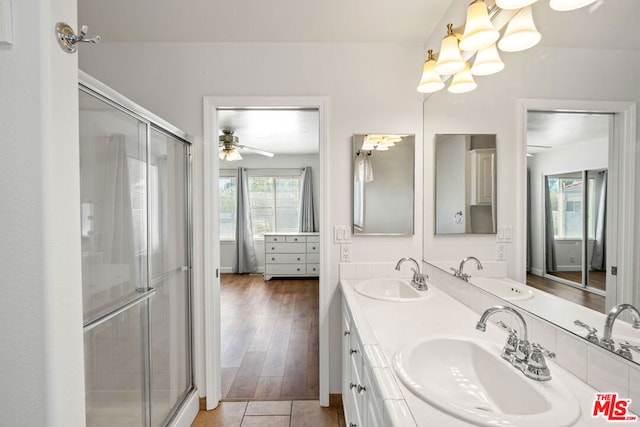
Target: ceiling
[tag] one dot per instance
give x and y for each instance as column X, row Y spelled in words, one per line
column 277, row 21
column 552, row 129
column 280, row 131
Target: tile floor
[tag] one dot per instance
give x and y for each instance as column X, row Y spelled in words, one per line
column 286, row 413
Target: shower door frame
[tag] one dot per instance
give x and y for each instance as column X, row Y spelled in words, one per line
column 150, row 121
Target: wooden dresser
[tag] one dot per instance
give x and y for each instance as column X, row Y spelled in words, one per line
column 291, row 255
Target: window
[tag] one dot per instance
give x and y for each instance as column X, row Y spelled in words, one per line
column 274, row 200
column 566, row 193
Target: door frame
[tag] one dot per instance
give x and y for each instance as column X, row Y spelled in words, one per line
column 211, row 293
column 622, row 158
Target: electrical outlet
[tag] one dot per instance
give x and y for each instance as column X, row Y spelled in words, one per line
column 500, row 252
column 345, row 252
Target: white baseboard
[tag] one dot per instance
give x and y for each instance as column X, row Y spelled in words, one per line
column 537, row 272
column 188, row 412
column 230, row 270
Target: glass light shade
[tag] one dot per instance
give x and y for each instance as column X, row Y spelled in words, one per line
column 565, row 5
column 368, row 145
column 521, row 32
column 463, row 82
column 449, row 61
column 382, row 147
column 430, row 81
column 487, row 62
column 514, row 4
column 229, row 155
column 478, row 31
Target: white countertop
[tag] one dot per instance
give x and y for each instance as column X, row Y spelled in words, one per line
column 389, row 326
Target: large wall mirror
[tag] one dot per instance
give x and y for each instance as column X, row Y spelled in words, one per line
column 466, row 184
column 383, row 184
column 568, row 171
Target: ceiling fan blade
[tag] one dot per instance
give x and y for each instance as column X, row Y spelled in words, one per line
column 255, row 150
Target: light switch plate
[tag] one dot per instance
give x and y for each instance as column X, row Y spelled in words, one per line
column 6, row 23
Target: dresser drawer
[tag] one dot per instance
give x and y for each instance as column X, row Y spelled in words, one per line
column 313, row 258
column 313, row 269
column 285, row 269
column 313, row 247
column 284, row 248
column 277, row 258
column 313, row 239
column 274, row 239
column 295, row 239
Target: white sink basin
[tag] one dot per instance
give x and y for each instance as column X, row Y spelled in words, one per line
column 397, row 290
column 504, row 288
column 468, row 379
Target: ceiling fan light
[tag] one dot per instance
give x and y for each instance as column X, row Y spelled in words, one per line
column 463, row 81
column 487, row 62
column 430, row 81
column 514, row 4
column 449, row 60
column 566, row 5
column 479, row 32
column 521, row 32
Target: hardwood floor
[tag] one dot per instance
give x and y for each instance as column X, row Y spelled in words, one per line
column 597, row 279
column 269, row 338
column 579, row 296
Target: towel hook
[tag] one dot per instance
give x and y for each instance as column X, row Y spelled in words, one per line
column 68, row 40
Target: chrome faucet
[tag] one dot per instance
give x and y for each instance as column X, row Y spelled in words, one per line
column 418, row 280
column 464, row 276
column 606, row 341
column 528, row 358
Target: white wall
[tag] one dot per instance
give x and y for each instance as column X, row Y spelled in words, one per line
column 450, row 197
column 282, row 161
column 542, row 72
column 41, row 362
column 370, row 87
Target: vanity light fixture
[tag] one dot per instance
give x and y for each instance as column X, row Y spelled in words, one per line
column 463, row 81
column 449, row 61
column 566, row 5
column 521, row 33
column 478, row 31
column 487, row 62
column 430, row 81
column 380, row 142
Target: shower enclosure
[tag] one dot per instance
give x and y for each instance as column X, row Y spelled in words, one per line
column 136, row 261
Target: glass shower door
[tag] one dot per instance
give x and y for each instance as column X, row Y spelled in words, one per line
column 135, row 207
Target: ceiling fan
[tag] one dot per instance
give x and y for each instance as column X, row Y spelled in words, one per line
column 229, row 148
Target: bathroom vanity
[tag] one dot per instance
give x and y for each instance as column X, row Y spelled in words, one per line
column 377, row 331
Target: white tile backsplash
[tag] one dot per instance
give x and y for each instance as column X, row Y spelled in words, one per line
column 571, row 354
column 605, row 373
column 363, row 270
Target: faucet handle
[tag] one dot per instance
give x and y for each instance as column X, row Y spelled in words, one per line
column 625, row 346
column 509, row 350
column 592, row 332
column 537, row 347
column 536, row 367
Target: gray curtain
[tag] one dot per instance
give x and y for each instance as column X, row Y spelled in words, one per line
column 528, row 221
column 550, row 241
column 245, row 260
column 307, row 215
column 598, row 257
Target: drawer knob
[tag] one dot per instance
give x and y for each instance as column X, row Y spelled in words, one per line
column 298, row 269
column 273, row 259
column 295, row 240
column 361, row 388
column 347, row 333
column 298, row 259
column 314, row 248
column 272, row 248
column 352, row 385
column 352, row 351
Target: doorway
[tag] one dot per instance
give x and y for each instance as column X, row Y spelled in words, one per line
column 219, row 381
column 619, row 118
